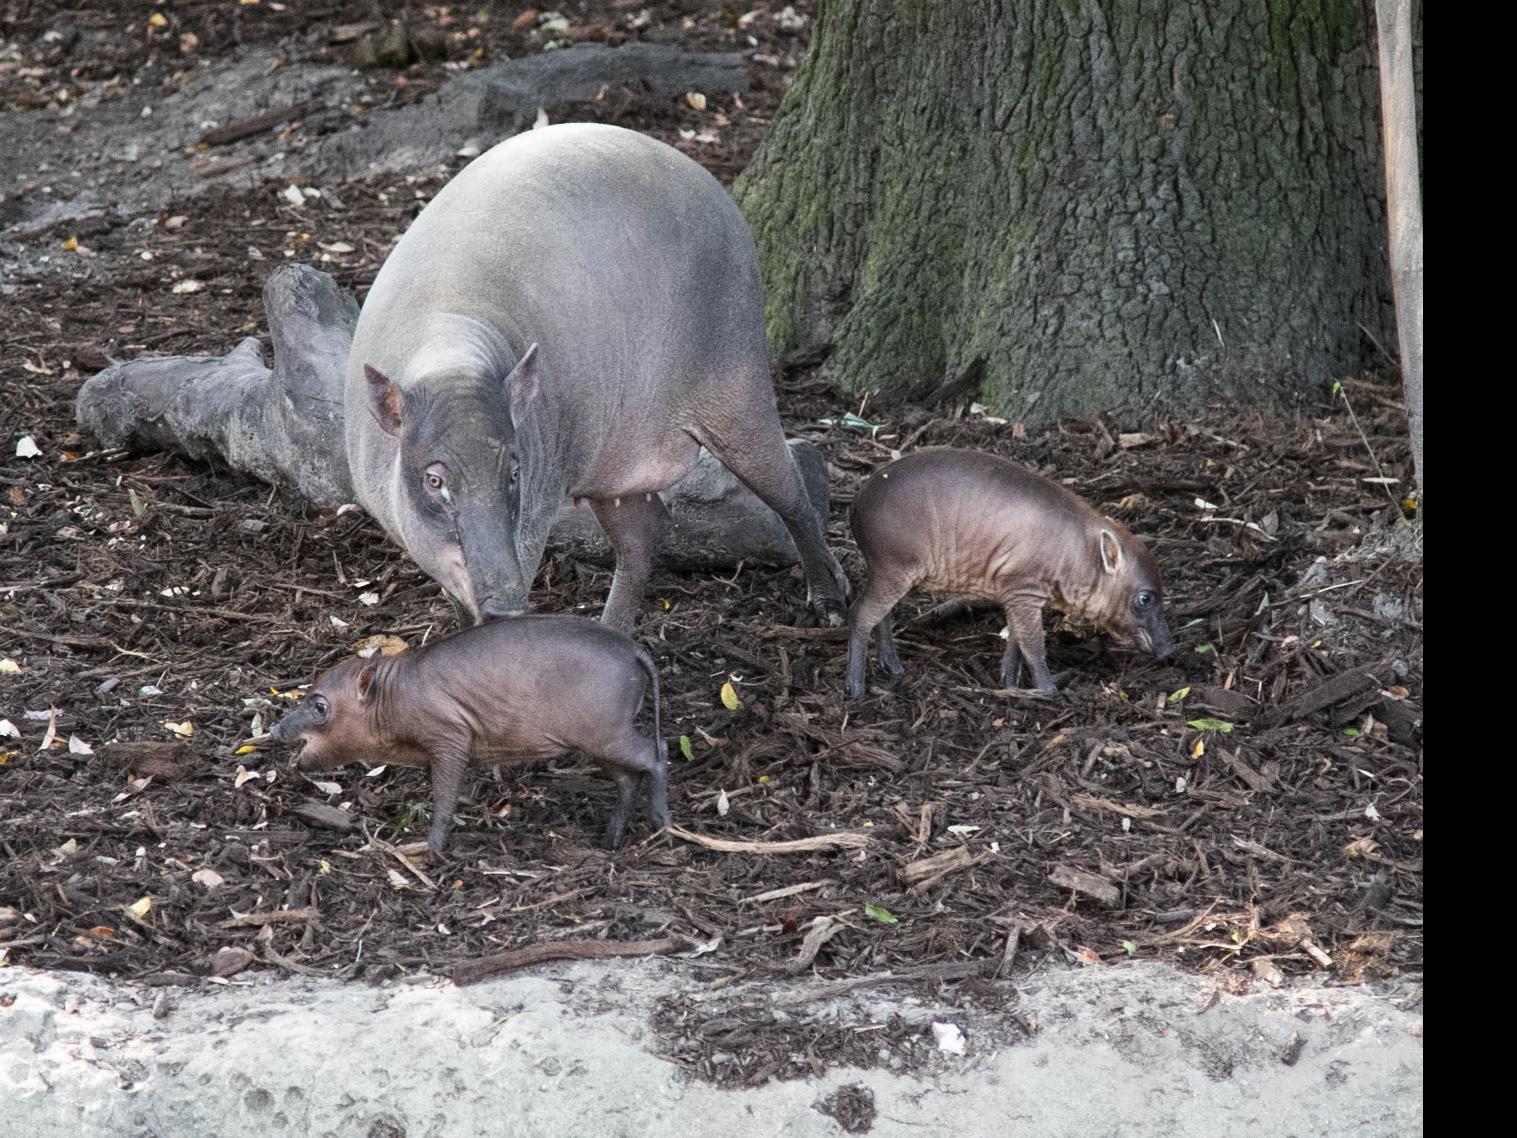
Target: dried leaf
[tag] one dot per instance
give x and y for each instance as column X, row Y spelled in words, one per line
column 187, row 285
column 729, row 697
column 9, row 667
column 398, row 879
column 183, row 730
column 208, row 877
column 77, row 746
column 722, row 805
column 243, row 775
column 52, row 730
column 1361, row 847
column 140, row 907
column 26, row 447
column 696, row 100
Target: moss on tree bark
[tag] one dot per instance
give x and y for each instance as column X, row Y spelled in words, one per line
column 1079, row 207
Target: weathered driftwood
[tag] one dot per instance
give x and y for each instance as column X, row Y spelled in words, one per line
column 285, row 426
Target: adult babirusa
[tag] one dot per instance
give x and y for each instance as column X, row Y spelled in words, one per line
column 574, row 315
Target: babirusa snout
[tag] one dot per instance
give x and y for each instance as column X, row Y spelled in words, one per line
column 497, row 585
column 1160, row 644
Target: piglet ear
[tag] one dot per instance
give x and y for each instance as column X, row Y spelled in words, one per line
column 1111, row 551
column 365, row 681
column 521, row 384
column 385, row 400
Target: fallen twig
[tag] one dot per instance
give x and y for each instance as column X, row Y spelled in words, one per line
column 847, row 839
column 485, row 967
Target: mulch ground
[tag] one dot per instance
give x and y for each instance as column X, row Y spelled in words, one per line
column 1253, row 805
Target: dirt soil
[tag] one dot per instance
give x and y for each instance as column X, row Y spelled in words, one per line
column 1251, row 807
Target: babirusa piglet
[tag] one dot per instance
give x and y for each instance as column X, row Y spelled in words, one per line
column 512, row 690
column 979, row 526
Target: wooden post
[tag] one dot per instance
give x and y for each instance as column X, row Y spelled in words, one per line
column 1398, row 112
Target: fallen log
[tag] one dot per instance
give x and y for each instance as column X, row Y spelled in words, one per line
column 284, row 425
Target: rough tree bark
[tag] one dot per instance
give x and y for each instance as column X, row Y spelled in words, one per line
column 1072, row 208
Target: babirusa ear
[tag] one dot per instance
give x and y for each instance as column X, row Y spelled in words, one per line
column 385, row 400
column 521, row 384
column 365, row 681
column 1111, row 551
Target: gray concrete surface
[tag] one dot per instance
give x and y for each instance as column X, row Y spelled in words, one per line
column 570, row 1049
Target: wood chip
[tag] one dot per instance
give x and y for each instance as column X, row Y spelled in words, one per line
column 163, row 761
column 918, row 875
column 1090, row 884
column 1126, row 809
column 1345, row 685
column 1009, row 949
column 322, row 816
column 1245, row 773
column 823, row 929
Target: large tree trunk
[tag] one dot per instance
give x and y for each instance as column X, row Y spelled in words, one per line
column 1074, row 208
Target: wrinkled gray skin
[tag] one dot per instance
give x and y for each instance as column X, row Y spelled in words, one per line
column 974, row 525
column 633, row 274
column 513, row 690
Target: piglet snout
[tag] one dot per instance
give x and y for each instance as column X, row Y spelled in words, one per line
column 1160, row 644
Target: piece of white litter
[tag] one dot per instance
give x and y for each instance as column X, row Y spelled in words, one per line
column 77, row 746
column 26, row 447
column 948, row 1037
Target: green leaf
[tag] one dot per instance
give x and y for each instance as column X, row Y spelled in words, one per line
column 1130, row 948
column 881, row 914
column 1263, row 604
column 1351, row 732
column 1204, row 649
column 1177, row 696
column 685, row 748
column 1337, row 387
column 1220, row 725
